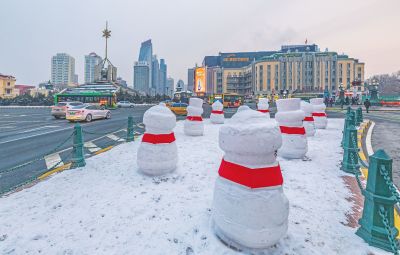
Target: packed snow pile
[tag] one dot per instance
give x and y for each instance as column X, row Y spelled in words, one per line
column 157, row 154
column 320, row 118
column 109, row 207
column 308, row 121
column 194, row 122
column 290, row 119
column 217, row 113
column 250, row 210
column 263, row 106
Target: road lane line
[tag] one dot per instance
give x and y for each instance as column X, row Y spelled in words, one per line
column 91, row 146
column 113, row 137
column 52, row 160
column 30, row 136
column 368, row 144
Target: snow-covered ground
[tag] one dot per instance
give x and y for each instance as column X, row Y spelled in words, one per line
column 108, row 207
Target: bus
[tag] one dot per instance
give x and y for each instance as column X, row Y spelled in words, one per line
column 104, row 99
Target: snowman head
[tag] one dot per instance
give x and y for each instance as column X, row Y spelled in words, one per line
column 287, row 105
column 306, row 107
column 262, row 104
column 248, row 132
column 217, row 106
column 195, row 107
column 159, row 120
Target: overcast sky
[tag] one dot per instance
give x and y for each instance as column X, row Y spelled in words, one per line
column 184, row 31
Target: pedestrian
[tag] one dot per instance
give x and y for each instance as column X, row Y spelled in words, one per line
column 367, row 104
column 331, row 101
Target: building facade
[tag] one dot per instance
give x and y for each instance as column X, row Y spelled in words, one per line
column 190, row 81
column 162, row 89
column 155, row 76
column 63, row 70
column 91, row 61
column 146, row 55
column 7, row 86
column 170, row 87
column 141, row 77
column 296, row 68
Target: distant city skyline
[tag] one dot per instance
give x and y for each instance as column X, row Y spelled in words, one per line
column 365, row 29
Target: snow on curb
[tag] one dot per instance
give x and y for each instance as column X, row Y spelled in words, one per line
column 109, row 208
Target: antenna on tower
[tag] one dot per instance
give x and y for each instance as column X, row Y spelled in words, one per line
column 106, row 34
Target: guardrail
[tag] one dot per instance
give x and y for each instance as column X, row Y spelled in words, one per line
column 76, row 158
column 377, row 226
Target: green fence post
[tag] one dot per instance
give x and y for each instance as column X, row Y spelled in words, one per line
column 350, row 157
column 360, row 115
column 352, row 115
column 378, row 196
column 130, row 132
column 78, row 158
column 346, row 124
column 348, row 110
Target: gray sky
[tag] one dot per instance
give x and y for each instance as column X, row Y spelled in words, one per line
column 184, row 31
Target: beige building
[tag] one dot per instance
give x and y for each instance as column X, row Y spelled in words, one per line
column 298, row 68
column 7, row 86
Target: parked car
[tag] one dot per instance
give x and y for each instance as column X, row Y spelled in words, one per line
column 179, row 108
column 60, row 110
column 125, row 104
column 87, row 113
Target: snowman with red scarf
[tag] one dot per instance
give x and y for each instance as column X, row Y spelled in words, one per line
column 263, row 106
column 308, row 121
column 250, row 210
column 290, row 120
column 320, row 118
column 194, row 125
column 158, row 153
column 217, row 113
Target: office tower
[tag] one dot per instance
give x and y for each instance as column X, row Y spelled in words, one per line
column 91, row 61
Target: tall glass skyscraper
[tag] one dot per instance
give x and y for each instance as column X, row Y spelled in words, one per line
column 146, row 55
column 91, row 61
column 163, row 78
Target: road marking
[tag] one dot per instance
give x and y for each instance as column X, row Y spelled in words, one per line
column 113, row 137
column 52, row 160
column 30, row 136
column 91, row 147
column 104, row 150
column 7, row 127
column 368, row 144
column 141, row 125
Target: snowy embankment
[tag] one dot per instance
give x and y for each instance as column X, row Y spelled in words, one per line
column 108, row 207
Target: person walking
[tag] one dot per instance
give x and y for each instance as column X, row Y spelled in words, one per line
column 367, row 104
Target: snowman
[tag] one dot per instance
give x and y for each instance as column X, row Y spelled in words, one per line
column 308, row 121
column 250, row 210
column 320, row 119
column 193, row 125
column 290, row 120
column 217, row 113
column 157, row 153
column 262, row 106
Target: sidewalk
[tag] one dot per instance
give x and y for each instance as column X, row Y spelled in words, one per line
column 108, row 207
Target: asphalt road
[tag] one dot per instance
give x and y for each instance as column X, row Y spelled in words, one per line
column 26, row 135
column 29, row 134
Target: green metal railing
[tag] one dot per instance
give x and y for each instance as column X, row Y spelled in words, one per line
column 380, row 194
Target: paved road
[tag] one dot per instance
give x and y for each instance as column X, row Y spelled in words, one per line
column 28, row 134
column 384, row 136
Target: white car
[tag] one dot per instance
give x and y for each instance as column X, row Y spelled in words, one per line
column 125, row 104
column 59, row 110
column 87, row 113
